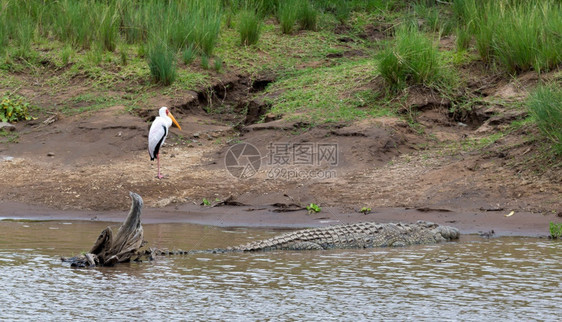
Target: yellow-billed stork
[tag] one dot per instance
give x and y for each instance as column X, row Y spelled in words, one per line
column 158, row 133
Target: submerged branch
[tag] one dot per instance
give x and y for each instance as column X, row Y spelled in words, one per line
column 123, row 247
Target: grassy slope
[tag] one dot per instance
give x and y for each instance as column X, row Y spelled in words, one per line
column 309, row 87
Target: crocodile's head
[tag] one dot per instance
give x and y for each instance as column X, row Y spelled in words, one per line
column 447, row 232
column 441, row 232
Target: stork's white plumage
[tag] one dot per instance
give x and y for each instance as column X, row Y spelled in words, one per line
column 158, row 133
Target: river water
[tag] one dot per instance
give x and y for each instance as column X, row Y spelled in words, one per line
column 505, row 278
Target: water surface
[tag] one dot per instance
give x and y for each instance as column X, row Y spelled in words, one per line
column 505, row 278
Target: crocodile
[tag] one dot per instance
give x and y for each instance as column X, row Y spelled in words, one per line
column 355, row 235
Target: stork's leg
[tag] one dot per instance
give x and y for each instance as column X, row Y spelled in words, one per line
column 159, row 176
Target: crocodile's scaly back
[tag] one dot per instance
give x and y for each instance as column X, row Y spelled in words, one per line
column 359, row 235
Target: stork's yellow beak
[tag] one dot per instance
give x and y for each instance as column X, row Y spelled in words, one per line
column 174, row 120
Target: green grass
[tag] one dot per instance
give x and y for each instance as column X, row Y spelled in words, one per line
column 331, row 94
column 72, row 21
column 545, row 105
column 277, row 52
column 435, row 18
column 218, row 64
column 410, row 59
column 88, row 102
column 66, row 54
column 181, row 23
column 161, row 60
column 205, row 64
column 517, row 35
column 188, row 55
column 342, row 10
column 9, row 137
column 463, row 38
column 249, row 27
column 308, row 16
column 99, row 26
column 555, row 230
column 108, row 30
column 288, row 14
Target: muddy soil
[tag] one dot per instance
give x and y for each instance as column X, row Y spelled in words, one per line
column 82, row 166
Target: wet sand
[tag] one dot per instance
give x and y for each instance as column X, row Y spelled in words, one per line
column 519, row 224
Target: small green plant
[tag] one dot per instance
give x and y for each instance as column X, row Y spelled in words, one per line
column 313, row 208
column 206, row 202
column 13, row 109
column 545, row 105
column 365, row 210
column 555, row 230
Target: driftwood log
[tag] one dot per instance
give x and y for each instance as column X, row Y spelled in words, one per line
column 110, row 249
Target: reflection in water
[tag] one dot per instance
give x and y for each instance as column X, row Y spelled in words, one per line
column 504, row 278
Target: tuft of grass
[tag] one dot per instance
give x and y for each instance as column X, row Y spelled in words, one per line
column 288, row 14
column 134, row 19
column 343, row 11
column 108, row 30
column 249, row 27
column 66, row 54
column 463, row 38
column 123, row 54
column 545, row 106
column 3, row 34
column 188, row 54
column 205, row 61
column 72, row 21
column 308, row 16
column 555, row 230
column 95, row 56
column 161, row 63
column 411, row 59
column 435, row 18
column 206, row 18
column 24, row 34
column 518, row 35
column 218, row 64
